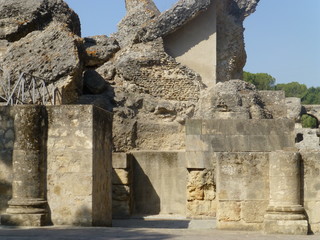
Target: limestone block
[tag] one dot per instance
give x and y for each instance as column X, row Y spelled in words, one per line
column 229, row 211
column 297, row 227
column 235, row 170
column 194, row 127
column 168, row 136
column 293, row 108
column 79, row 174
column 241, row 226
column 201, row 209
column 312, row 210
column 253, row 211
column 70, row 160
column 200, row 159
column 121, row 176
column 196, row 143
column 275, row 102
column 29, row 220
column 120, row 160
column 311, row 174
column 201, row 185
column 156, row 187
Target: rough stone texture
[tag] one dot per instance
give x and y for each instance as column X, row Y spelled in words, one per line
column 220, row 135
column 121, row 185
column 307, row 139
column 20, row 17
column 138, row 14
column 311, row 186
column 152, row 71
column 234, row 96
column 79, row 172
column 52, row 54
column 99, row 49
column 201, row 193
column 275, row 102
column 285, row 213
column 294, row 108
column 93, row 82
column 237, row 203
column 159, row 192
column 172, row 19
column 28, row 160
column 231, row 55
column 7, row 137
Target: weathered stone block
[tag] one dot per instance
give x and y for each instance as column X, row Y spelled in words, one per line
column 253, row 211
column 29, row 220
column 201, row 209
column 196, row 143
column 297, row 227
column 79, row 172
column 200, row 159
column 229, row 211
column 236, row 170
column 194, row 127
column 312, row 210
column 156, row 188
column 121, row 160
column 121, row 176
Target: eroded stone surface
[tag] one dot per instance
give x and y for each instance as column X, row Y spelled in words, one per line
column 20, row 17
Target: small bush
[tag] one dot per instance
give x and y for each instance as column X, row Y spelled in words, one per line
column 308, row 121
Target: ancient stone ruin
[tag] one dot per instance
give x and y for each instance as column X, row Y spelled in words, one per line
column 152, row 120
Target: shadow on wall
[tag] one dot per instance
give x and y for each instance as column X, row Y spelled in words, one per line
column 190, row 34
column 146, row 201
column 7, row 138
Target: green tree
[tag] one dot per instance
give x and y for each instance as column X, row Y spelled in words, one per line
column 312, row 96
column 262, row 81
column 293, row 89
column 308, row 121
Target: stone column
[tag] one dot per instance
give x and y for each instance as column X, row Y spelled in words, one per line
column 285, row 214
column 28, row 205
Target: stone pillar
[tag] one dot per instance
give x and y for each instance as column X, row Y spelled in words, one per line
column 28, row 205
column 285, row 214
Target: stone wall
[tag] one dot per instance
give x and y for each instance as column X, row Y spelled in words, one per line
column 121, row 185
column 311, row 188
column 235, row 152
column 275, row 102
column 79, row 165
column 159, row 183
column 78, row 158
column 243, row 190
column 6, row 149
column 190, row 45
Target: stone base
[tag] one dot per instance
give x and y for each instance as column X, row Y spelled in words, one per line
column 292, row 227
column 31, row 220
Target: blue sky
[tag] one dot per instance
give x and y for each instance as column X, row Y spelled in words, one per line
column 282, row 37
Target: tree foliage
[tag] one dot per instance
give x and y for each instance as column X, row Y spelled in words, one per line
column 264, row 81
column 308, row 121
column 293, row 89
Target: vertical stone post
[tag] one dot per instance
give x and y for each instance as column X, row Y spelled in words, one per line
column 285, row 214
column 28, row 205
